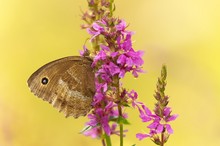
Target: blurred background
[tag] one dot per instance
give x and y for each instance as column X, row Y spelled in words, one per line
column 183, row 34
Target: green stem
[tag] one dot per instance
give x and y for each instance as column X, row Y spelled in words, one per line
column 108, row 140
column 120, row 125
column 103, row 138
column 111, row 7
column 119, row 111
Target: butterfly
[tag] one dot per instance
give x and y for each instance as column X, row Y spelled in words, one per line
column 67, row 83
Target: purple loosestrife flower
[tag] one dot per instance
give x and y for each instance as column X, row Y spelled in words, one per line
column 100, row 117
column 162, row 114
column 127, row 59
column 158, row 124
column 85, row 51
column 94, row 132
column 133, row 96
column 115, row 58
column 97, row 28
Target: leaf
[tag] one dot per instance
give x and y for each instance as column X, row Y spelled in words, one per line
column 86, row 128
column 126, row 105
column 122, row 120
column 113, row 119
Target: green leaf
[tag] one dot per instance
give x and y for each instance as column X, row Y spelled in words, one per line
column 114, row 119
column 126, row 105
column 86, row 129
column 122, row 120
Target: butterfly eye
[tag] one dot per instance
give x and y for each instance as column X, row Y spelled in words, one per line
column 44, row 81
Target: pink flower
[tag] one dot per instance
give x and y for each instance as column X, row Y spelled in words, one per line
column 84, row 52
column 141, row 136
column 158, row 124
column 115, row 58
column 121, row 26
column 94, row 132
column 96, row 29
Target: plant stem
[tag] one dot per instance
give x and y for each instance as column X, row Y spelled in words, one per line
column 103, row 142
column 103, row 137
column 119, row 111
column 108, row 140
column 162, row 139
column 120, row 125
column 111, row 6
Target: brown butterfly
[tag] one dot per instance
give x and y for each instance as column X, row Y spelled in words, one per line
column 67, row 83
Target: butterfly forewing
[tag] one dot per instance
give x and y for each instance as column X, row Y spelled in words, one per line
column 68, row 84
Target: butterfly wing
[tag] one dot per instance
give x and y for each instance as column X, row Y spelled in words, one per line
column 67, row 83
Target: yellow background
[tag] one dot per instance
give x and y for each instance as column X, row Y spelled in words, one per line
column 184, row 34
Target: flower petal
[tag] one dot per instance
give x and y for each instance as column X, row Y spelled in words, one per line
column 169, row 129
column 147, row 110
column 172, row 118
column 141, row 136
column 153, row 125
column 159, row 128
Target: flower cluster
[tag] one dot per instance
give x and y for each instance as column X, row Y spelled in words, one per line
column 158, row 124
column 161, row 116
column 97, row 9
column 117, row 49
column 99, row 119
column 115, row 58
